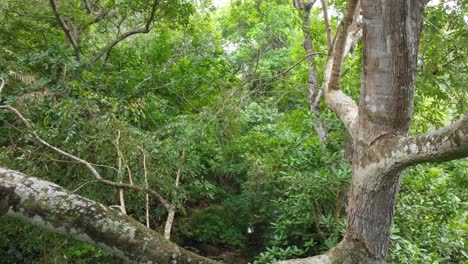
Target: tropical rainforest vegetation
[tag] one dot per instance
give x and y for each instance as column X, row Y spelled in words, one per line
column 210, row 109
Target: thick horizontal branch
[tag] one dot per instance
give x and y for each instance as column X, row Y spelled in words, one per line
column 49, row 206
column 448, row 143
column 394, row 154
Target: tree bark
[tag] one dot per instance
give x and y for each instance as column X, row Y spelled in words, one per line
column 390, row 47
column 315, row 94
column 380, row 124
column 51, row 207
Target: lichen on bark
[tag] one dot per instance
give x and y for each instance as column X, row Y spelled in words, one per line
column 49, row 206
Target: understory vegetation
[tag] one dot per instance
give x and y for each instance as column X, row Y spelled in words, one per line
column 228, row 87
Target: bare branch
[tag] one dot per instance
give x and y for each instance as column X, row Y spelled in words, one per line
column 2, row 85
column 119, row 172
column 391, row 154
column 122, row 37
column 98, row 177
column 327, row 24
column 66, row 28
column 315, row 94
column 130, row 178
column 340, row 46
column 146, row 184
column 447, row 143
column 34, row 133
column 172, row 208
column 341, row 104
column 83, row 185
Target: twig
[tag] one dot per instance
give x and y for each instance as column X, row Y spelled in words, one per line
column 72, row 161
column 82, row 185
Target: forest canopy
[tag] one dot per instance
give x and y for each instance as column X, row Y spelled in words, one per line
column 216, row 125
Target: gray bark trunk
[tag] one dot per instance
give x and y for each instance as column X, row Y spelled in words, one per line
column 49, row 206
column 390, row 47
column 380, row 124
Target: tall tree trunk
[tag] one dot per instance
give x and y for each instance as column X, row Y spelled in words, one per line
column 390, row 46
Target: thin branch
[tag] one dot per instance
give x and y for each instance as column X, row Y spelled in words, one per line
column 130, row 178
column 327, row 24
column 34, row 133
column 172, row 208
column 119, row 172
column 340, row 46
column 1, row 86
column 120, row 38
column 146, row 184
column 312, row 54
column 98, row 177
column 76, row 162
column 315, row 94
column 341, row 104
column 65, row 27
column 82, row 185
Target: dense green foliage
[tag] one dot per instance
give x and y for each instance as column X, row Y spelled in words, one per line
column 219, row 84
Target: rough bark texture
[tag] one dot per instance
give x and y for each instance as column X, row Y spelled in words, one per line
column 379, row 126
column 341, row 104
column 49, row 206
column 390, row 46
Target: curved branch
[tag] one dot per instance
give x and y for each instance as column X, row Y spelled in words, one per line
column 49, row 206
column 65, row 27
column 341, row 104
column 127, row 34
column 40, row 140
